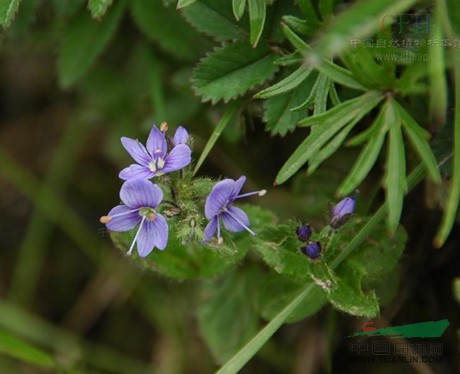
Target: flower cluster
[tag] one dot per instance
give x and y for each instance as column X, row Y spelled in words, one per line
column 141, row 198
column 340, row 214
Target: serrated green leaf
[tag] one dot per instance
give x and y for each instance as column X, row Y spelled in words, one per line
column 395, row 176
column 8, row 10
column 12, row 346
column 285, row 85
column 168, row 29
column 83, row 41
column 278, row 115
column 226, row 316
column 238, row 7
column 214, row 18
column 330, row 125
column 99, row 7
column 231, row 70
column 349, row 297
column 275, row 291
column 367, row 157
column 184, row 3
column 257, row 14
column 418, row 136
column 360, row 20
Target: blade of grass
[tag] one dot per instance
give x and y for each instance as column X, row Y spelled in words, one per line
column 257, row 14
column 227, row 116
column 287, row 84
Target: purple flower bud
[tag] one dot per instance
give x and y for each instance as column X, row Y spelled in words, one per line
column 342, row 211
column 312, row 250
column 303, row 233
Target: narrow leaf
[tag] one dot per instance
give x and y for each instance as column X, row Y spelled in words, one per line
column 216, row 134
column 8, row 10
column 287, row 84
column 418, row 136
column 395, row 178
column 454, row 194
column 232, row 70
column 367, row 158
column 257, row 14
column 99, row 7
column 238, row 7
column 83, row 41
column 184, row 3
column 24, row 351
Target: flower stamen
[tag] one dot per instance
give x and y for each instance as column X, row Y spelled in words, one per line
column 107, row 219
column 135, row 238
column 239, row 221
column 260, row 193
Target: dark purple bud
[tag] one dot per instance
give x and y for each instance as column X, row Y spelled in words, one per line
column 312, row 250
column 342, row 211
column 303, row 233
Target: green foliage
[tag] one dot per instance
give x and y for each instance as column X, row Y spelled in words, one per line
column 8, row 10
column 230, row 71
column 83, row 41
column 99, row 7
column 257, row 15
column 226, row 315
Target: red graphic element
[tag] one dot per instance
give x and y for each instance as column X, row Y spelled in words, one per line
column 369, row 326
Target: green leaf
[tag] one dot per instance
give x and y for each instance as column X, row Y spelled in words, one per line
column 299, row 25
column 453, row 13
column 214, row 18
column 331, row 122
column 360, row 20
column 232, row 70
column 454, row 193
column 257, row 14
column 17, row 348
column 321, row 93
column 83, row 40
column 222, row 124
column 278, row 112
column 184, row 3
column 99, row 7
column 8, row 10
column 395, row 177
column 309, row 11
column 238, row 7
column 349, row 297
column 226, row 316
column 418, row 136
column 285, row 85
column 168, row 29
column 368, row 156
column 275, row 291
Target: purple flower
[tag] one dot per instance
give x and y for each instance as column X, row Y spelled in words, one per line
column 140, row 197
column 342, row 211
column 180, row 136
column 312, row 250
column 219, row 206
column 303, row 233
column 154, row 160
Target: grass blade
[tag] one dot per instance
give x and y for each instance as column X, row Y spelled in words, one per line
column 287, row 84
column 257, row 15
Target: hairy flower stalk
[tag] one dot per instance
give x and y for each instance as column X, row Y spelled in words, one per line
column 153, row 159
column 140, row 198
column 219, row 207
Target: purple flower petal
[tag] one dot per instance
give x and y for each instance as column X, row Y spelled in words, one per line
column 180, row 136
column 156, row 143
column 210, row 229
column 136, row 171
column 138, row 193
column 125, row 222
column 218, row 197
column 136, row 150
column 342, row 211
column 153, row 234
column 237, row 187
column 178, row 158
column 234, row 219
